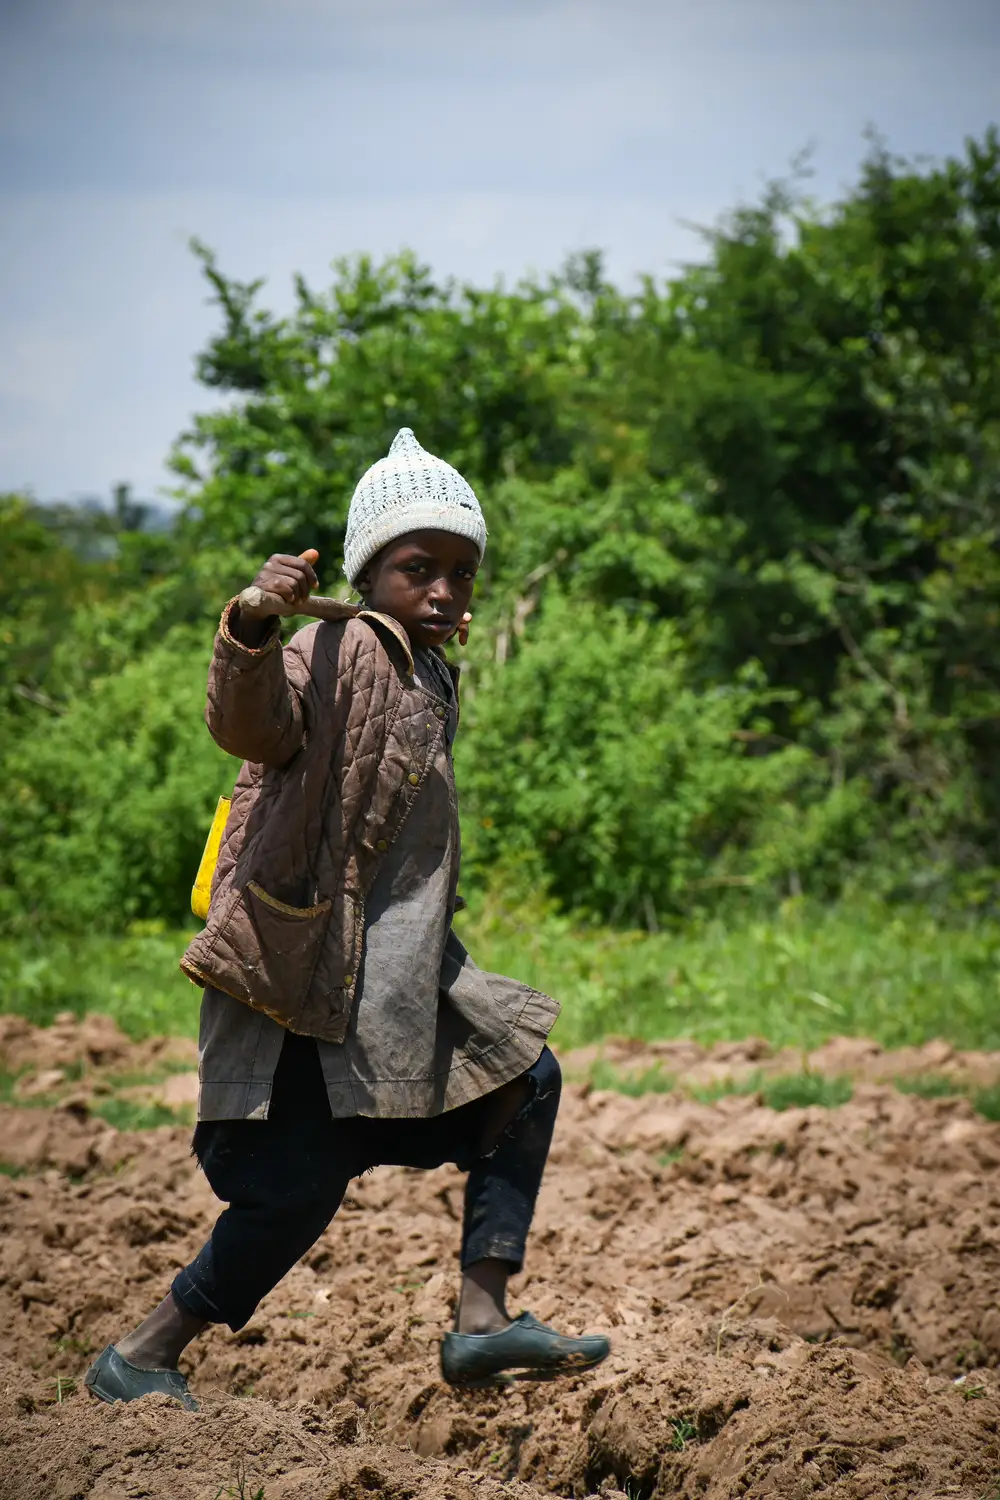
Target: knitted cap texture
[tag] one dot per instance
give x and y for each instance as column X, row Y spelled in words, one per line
column 408, row 490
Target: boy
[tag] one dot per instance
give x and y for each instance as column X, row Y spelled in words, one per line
column 343, row 1024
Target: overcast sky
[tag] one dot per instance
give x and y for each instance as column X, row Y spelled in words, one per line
column 492, row 136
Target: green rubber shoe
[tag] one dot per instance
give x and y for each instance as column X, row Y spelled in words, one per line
column 524, row 1350
column 112, row 1378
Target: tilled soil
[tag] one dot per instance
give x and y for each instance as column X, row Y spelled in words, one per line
column 801, row 1302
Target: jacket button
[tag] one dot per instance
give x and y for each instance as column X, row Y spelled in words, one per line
column 441, row 712
column 413, row 779
column 382, row 845
column 348, row 980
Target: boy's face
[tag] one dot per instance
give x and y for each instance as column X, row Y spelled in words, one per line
column 425, row 581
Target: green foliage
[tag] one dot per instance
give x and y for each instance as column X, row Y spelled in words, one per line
column 985, row 1101
column 109, row 777
column 736, row 632
column 788, row 1091
column 591, row 756
column 784, row 1091
column 789, row 455
column 321, row 394
column 107, row 804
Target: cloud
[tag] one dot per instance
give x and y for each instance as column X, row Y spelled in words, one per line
column 489, row 135
column 117, row 311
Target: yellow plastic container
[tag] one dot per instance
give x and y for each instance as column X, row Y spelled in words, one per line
column 201, row 892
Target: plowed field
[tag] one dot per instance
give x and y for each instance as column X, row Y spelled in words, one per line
column 802, row 1302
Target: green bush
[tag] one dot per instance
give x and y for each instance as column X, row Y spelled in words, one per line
column 633, row 793
column 108, row 804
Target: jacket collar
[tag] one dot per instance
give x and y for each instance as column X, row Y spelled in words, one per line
column 357, row 612
column 340, row 609
column 396, row 629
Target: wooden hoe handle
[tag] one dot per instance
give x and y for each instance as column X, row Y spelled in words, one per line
column 257, row 603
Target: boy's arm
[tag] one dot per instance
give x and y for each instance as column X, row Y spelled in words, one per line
column 254, row 710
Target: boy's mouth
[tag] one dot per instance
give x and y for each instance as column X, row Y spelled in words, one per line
column 438, row 625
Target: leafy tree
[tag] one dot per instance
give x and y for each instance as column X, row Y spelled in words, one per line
column 320, row 394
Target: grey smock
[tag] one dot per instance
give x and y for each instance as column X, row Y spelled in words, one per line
column 429, row 1031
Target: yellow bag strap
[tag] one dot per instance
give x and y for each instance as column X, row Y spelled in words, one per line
column 201, row 892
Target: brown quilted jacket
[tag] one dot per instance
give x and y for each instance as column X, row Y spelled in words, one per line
column 336, row 737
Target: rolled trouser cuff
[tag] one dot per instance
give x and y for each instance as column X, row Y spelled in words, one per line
column 191, row 1289
column 494, row 1247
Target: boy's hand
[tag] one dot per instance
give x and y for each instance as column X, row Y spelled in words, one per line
column 463, row 630
column 288, row 580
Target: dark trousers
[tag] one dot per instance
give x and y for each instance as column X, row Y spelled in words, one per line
column 285, row 1177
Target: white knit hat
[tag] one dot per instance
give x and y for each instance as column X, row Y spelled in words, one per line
column 409, row 490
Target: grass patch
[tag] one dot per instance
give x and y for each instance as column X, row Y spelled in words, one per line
column 711, row 1093
column 898, row 974
column 783, row 1091
column 122, row 1113
column 127, row 1114
column 8, row 1169
column 240, row 1488
column 789, row 1091
column 8, row 1092
column 800, row 1090
column 777, row 1091
column 652, row 1081
column 986, row 1102
column 148, row 1079
column 929, row 1086
column 7, row 1085
column 69, row 1344
column 133, row 978
column 684, row 1432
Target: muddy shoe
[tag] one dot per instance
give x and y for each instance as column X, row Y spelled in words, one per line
column 112, row 1378
column 525, row 1350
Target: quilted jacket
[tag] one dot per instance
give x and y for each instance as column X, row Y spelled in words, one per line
column 336, row 738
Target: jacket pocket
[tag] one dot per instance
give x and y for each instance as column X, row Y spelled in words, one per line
column 297, row 914
column 277, row 947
